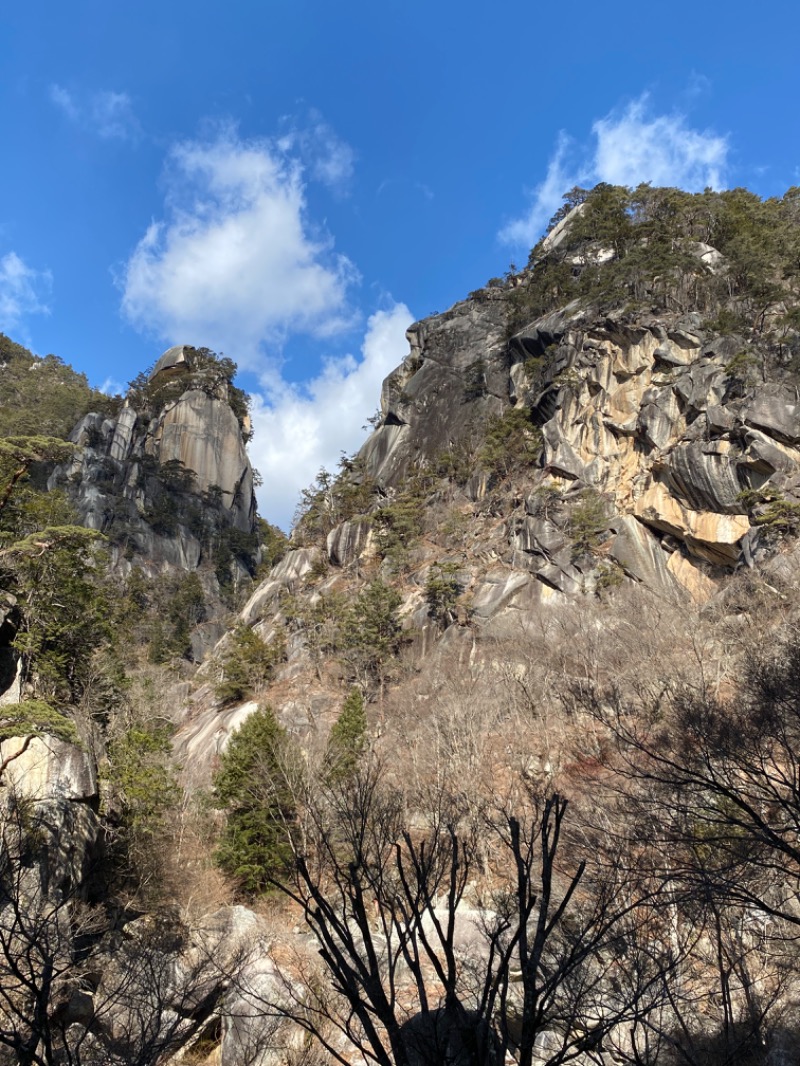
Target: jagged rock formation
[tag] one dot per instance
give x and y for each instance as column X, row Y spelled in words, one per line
column 168, row 468
column 547, row 503
column 657, row 445
column 454, row 377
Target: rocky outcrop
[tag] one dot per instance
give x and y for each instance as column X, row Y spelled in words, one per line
column 655, row 459
column 169, row 466
column 37, row 768
column 202, row 434
column 453, row 379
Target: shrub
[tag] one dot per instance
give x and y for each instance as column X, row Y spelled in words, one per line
column 587, row 521
column 369, row 632
column 511, row 442
column 442, row 590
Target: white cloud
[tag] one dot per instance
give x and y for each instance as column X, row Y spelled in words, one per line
column 327, row 158
column 64, row 99
column 545, row 199
column 106, row 113
column 112, row 116
column 23, row 291
column 112, row 387
column 630, row 146
column 297, row 430
column 236, row 264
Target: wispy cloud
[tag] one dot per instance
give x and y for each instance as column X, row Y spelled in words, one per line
column 236, row 263
column 107, row 114
column 630, row 145
column 298, row 429
column 112, row 387
column 324, row 155
column 64, row 100
column 23, row 291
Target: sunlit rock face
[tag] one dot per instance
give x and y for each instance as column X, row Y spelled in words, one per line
column 642, row 410
column 202, row 434
column 147, row 477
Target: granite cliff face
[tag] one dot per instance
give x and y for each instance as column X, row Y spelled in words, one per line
column 584, row 452
column 169, row 468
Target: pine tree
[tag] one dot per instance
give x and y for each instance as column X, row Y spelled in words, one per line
column 253, row 786
column 347, row 740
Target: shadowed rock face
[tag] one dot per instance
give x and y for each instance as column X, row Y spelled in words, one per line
column 454, row 378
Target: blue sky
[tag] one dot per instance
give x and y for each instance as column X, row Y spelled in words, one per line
column 293, row 184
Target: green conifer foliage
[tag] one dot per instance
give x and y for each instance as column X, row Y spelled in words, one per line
column 252, row 786
column 347, row 740
column 249, row 664
column 370, row 633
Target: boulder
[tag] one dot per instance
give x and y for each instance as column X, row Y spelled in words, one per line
column 710, row 536
column 776, row 410
column 174, row 361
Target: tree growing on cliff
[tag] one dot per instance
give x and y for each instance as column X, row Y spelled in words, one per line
column 347, row 739
column 370, row 633
column 253, row 787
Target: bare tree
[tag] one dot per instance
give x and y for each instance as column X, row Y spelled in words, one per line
column 73, row 990
column 711, row 787
column 422, row 974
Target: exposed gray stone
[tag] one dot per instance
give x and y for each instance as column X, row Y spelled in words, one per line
column 203, row 433
column 122, row 439
column 767, row 455
column 347, row 541
column 40, row 768
column 702, row 385
column 496, row 589
column 658, row 416
column 432, row 402
column 174, row 360
column 720, row 419
column 641, row 556
column 776, row 410
column 705, row 479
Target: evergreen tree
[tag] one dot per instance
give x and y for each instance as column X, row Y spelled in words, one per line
column 347, row 740
column 370, row 634
column 253, row 786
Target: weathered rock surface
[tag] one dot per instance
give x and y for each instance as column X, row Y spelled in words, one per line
column 347, row 542
column 39, row 768
column 453, row 379
column 648, row 443
column 203, row 434
column 143, row 480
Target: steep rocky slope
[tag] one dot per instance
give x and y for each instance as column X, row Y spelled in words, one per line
column 584, row 485
column 635, row 449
